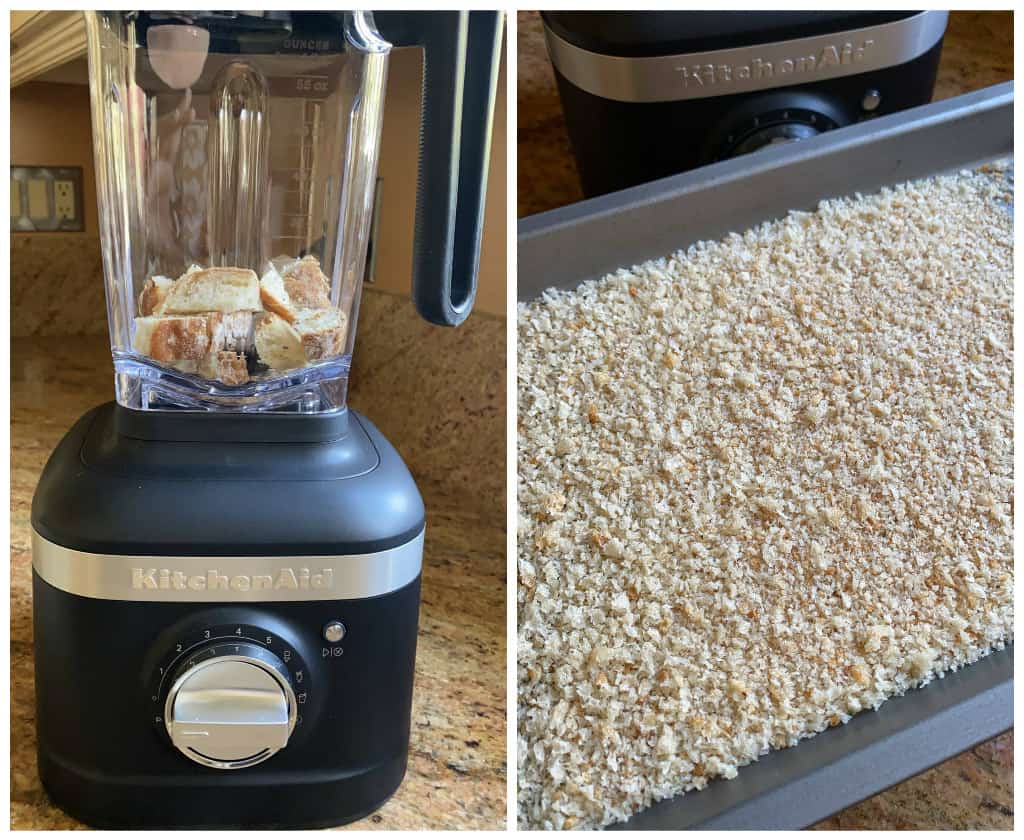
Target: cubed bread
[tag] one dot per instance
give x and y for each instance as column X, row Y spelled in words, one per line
column 207, row 320
column 214, row 290
column 306, row 285
column 225, row 366
column 172, row 339
column 278, row 344
column 322, row 332
column 154, row 294
column 315, row 335
column 289, row 288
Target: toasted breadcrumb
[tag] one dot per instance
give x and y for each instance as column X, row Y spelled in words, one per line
column 794, row 501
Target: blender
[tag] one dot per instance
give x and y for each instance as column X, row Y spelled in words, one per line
column 226, row 558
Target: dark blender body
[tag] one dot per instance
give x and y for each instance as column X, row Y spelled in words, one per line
column 650, row 94
column 134, row 579
column 226, row 574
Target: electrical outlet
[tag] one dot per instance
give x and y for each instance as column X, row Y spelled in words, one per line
column 46, row 199
column 64, row 198
column 38, row 200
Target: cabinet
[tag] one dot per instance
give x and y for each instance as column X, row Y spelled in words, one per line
column 41, row 41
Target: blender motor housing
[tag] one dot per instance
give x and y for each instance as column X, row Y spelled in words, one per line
column 151, row 557
column 651, row 94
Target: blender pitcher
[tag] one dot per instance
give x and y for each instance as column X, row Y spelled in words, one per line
column 226, row 560
column 236, row 158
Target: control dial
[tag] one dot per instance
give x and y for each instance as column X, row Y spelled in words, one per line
column 773, row 134
column 770, row 117
column 230, row 706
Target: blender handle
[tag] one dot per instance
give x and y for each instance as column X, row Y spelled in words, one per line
column 461, row 54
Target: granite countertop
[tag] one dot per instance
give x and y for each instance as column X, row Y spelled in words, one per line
column 977, row 52
column 975, row 789
column 439, row 396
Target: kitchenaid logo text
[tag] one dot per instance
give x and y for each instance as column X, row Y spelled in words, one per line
column 286, row 578
column 834, row 55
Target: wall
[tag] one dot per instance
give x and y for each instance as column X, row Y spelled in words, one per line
column 55, row 277
column 50, row 126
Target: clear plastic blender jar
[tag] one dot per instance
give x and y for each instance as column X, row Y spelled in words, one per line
column 236, row 157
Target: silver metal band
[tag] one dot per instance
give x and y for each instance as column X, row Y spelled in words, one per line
column 666, row 78
column 122, row 577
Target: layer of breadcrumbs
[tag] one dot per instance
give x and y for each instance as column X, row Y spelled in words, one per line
column 764, row 484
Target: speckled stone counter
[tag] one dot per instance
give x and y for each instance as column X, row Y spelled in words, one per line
column 439, row 396
column 973, row 790
column 977, row 52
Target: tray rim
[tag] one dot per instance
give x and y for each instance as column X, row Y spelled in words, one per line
column 597, row 222
column 796, row 787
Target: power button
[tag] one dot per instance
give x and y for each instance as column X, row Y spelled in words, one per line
column 334, row 631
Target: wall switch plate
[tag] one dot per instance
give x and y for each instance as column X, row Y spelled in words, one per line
column 47, row 199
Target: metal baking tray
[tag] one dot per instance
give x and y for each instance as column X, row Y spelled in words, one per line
column 796, row 787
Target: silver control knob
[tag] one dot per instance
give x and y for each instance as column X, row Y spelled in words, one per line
column 231, row 711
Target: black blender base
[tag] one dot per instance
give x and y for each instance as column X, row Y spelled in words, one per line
column 122, row 490
column 272, row 804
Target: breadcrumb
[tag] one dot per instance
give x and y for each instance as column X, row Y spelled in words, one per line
column 794, row 502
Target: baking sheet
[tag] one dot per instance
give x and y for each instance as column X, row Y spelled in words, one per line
column 796, row 787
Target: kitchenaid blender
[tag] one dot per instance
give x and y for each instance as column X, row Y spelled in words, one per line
column 226, row 560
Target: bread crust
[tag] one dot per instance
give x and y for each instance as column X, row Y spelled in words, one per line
column 274, row 296
column 171, row 339
column 225, row 366
column 154, row 294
